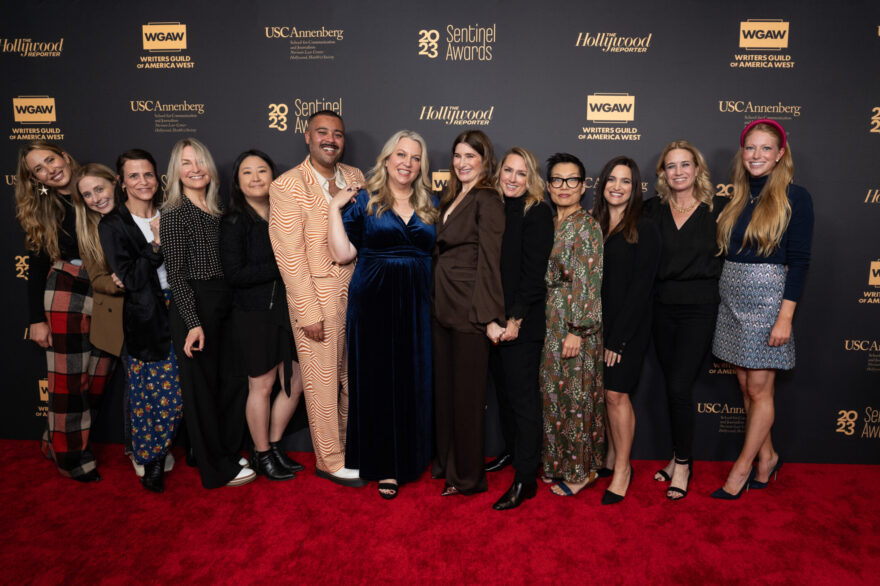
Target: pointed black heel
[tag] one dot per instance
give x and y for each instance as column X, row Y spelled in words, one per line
column 724, row 495
column 774, row 474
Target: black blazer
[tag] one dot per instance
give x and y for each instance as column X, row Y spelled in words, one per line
column 525, row 250
column 132, row 258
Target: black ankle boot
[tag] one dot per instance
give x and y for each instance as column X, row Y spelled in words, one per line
column 267, row 465
column 154, row 475
column 283, row 459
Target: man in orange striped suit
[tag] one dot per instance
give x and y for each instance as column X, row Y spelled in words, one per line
column 317, row 287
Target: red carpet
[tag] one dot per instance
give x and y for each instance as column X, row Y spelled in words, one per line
column 819, row 524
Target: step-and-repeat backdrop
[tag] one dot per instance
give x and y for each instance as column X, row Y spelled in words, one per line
column 593, row 79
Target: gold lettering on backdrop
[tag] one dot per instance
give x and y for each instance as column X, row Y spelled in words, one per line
column 278, row 117
column 846, row 422
column 428, row 43
column 875, row 119
column 21, row 266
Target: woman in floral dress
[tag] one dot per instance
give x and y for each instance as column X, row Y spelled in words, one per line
column 571, row 368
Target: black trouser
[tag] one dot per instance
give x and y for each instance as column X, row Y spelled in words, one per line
column 204, row 402
column 514, row 371
column 461, row 372
column 682, row 338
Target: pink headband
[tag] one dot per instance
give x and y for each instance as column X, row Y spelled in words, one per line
column 767, row 121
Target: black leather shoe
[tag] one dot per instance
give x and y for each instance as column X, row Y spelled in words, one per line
column 499, row 463
column 283, row 459
column 154, row 475
column 91, row 476
column 515, row 495
column 265, row 464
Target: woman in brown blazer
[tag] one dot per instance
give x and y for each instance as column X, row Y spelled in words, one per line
column 467, row 299
column 93, row 198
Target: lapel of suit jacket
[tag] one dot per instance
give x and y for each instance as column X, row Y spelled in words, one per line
column 465, row 203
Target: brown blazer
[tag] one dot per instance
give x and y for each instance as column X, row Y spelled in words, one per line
column 467, row 291
column 298, row 230
column 105, row 330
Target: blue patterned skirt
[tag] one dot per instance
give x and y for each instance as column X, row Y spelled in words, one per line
column 751, row 295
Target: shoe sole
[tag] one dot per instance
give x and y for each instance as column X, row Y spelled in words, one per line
column 242, row 481
column 349, row 482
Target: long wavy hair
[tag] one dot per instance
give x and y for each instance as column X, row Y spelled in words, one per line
column 40, row 214
column 633, row 210
column 381, row 198
column 703, row 191
column 773, row 211
column 534, row 194
column 477, row 140
column 87, row 219
column 175, row 187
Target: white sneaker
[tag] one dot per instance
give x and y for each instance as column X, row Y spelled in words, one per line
column 347, row 473
column 245, row 476
column 169, row 462
column 138, row 468
column 243, row 462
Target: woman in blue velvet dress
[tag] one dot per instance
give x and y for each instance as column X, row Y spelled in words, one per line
column 390, row 228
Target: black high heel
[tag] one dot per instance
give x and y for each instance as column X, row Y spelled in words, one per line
column 758, row 485
column 612, row 498
column 683, row 492
column 724, row 495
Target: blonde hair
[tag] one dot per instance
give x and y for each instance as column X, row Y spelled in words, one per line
column 381, row 198
column 174, row 191
column 40, row 214
column 773, row 212
column 703, row 191
column 87, row 219
column 534, row 184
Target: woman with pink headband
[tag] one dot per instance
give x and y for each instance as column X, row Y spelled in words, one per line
column 765, row 234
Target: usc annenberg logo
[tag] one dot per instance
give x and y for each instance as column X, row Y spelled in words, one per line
column 602, row 107
column 755, row 34
column 164, row 36
column 34, row 109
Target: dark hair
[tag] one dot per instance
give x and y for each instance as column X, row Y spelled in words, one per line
column 633, row 209
column 477, row 140
column 136, row 155
column 558, row 158
column 330, row 113
column 237, row 201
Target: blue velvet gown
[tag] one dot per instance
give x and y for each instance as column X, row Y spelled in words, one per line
column 389, row 344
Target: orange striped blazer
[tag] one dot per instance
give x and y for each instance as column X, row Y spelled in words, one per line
column 298, row 230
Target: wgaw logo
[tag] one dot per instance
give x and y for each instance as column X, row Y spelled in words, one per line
column 874, row 274
column 34, row 109
column 439, row 180
column 164, row 36
column 611, row 107
column 761, row 35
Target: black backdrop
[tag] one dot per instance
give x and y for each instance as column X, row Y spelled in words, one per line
column 593, row 79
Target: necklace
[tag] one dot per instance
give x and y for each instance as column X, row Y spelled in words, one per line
column 683, row 210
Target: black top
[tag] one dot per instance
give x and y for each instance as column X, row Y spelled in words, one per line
column 627, row 284
column 189, row 241
column 134, row 261
column 525, row 250
column 249, row 262
column 794, row 247
column 689, row 264
column 39, row 263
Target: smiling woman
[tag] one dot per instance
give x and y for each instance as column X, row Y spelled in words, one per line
column 59, row 293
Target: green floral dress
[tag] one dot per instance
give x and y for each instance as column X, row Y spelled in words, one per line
column 574, row 402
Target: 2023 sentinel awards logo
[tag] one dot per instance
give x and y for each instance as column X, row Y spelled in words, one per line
column 470, row 42
column 307, row 43
column 611, row 113
column 300, row 109
column 765, row 43
column 36, row 119
column 164, row 42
